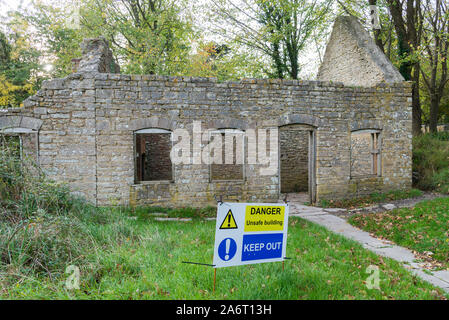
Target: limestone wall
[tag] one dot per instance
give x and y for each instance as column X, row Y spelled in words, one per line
column 88, row 120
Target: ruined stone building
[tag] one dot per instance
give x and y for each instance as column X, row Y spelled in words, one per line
column 109, row 136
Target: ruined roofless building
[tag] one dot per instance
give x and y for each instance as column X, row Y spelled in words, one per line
column 109, row 136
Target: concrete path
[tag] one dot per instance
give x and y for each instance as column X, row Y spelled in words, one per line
column 325, row 218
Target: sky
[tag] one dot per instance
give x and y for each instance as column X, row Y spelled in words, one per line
column 309, row 61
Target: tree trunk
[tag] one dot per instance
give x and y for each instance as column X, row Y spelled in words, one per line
column 416, row 104
column 433, row 118
column 408, row 40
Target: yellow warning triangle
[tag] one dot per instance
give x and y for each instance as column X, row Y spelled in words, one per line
column 229, row 221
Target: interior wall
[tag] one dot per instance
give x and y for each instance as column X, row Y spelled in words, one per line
column 294, row 146
column 154, row 152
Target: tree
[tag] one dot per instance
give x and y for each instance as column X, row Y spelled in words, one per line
column 59, row 43
column 18, row 70
column 225, row 62
column 277, row 29
column 148, row 36
column 5, row 50
column 435, row 46
column 407, row 24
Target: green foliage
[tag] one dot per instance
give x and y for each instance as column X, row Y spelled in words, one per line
column 150, row 37
column 58, row 42
column 431, row 162
column 38, row 233
column 224, row 62
column 5, row 50
column 146, row 37
column 277, row 31
column 18, row 67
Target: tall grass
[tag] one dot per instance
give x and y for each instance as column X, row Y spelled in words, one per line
column 431, row 162
column 43, row 228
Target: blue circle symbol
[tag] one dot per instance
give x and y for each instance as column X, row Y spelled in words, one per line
column 227, row 249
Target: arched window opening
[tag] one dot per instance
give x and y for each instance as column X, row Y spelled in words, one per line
column 20, row 142
column 152, row 155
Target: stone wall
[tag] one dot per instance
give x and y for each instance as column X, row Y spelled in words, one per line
column 294, row 159
column 361, row 156
column 88, row 120
column 228, row 168
column 154, row 156
column 353, row 58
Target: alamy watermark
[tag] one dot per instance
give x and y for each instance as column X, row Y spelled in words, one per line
column 73, row 280
column 373, row 280
column 72, row 15
column 374, row 15
column 227, row 146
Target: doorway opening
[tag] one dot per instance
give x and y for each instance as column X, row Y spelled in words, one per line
column 297, row 162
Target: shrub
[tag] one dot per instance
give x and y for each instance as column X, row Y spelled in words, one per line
column 41, row 230
column 431, row 162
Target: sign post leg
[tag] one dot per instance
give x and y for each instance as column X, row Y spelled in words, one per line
column 215, row 276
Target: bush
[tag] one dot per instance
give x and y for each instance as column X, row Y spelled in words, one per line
column 431, row 162
column 442, row 136
column 41, row 230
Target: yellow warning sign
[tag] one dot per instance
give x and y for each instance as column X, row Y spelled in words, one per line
column 229, row 221
column 264, row 218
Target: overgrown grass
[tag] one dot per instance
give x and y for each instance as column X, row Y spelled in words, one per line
column 371, row 199
column 40, row 221
column 147, row 264
column 124, row 253
column 424, row 228
column 431, row 162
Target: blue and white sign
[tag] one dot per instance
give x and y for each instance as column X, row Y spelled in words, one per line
column 248, row 233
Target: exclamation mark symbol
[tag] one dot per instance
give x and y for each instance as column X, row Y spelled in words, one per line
column 228, row 245
column 229, row 220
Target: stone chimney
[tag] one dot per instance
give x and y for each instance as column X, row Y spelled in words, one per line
column 97, row 57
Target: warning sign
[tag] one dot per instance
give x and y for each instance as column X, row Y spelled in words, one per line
column 229, row 221
column 264, row 218
column 247, row 233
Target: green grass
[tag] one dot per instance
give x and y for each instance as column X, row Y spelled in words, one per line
column 142, row 259
column 371, row 199
column 423, row 228
column 125, row 253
